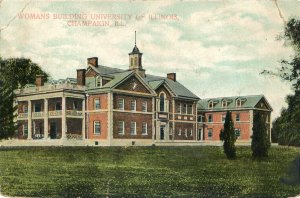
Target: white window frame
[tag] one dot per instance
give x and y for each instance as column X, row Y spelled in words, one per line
column 25, row 108
column 97, row 121
column 238, row 103
column 164, row 102
column 25, row 124
column 209, row 130
column 131, row 103
column 122, row 101
column 191, row 132
column 185, row 132
column 134, row 133
column 185, row 106
column 188, row 106
column 123, row 128
column 201, row 119
column 144, row 106
column 95, row 106
column 179, row 131
column 144, row 126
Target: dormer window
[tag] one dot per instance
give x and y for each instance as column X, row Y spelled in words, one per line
column 224, row 104
column 238, row 103
column 98, row 81
column 211, row 104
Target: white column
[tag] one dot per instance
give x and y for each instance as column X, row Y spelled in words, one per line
column 46, row 118
column 109, row 120
column 83, row 119
column 196, row 120
column 63, row 118
column 173, row 117
column 29, row 120
column 153, row 120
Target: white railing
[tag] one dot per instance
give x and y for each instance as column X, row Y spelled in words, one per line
column 50, row 88
column 38, row 136
column 73, row 113
column 22, row 115
column 55, row 113
column 37, row 114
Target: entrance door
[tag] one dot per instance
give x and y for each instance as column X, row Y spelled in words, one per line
column 199, row 134
column 162, row 132
column 53, row 130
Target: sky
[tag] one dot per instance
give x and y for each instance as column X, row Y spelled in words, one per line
column 216, row 48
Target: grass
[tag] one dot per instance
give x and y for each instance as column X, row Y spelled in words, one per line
column 143, row 172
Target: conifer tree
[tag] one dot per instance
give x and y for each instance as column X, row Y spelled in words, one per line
column 260, row 139
column 228, row 136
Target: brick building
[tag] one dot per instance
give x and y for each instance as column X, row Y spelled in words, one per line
column 212, row 113
column 109, row 106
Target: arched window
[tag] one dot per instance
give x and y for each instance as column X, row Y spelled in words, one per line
column 98, row 81
column 162, row 102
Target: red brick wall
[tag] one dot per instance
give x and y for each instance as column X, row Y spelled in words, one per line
column 98, row 116
column 128, row 118
column 217, row 124
column 128, row 99
column 103, row 100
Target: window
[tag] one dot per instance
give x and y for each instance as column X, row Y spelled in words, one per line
column 131, row 61
column 185, row 132
column 237, row 132
column 144, row 128
column 200, row 118
column 191, row 132
column 238, row 103
column 211, row 104
column 162, row 102
column 97, row 127
column 133, row 128
column 97, row 104
column 179, row 131
column 184, row 110
column 98, row 81
column 210, row 118
column 57, row 106
column 121, row 127
column 223, row 117
column 210, row 133
column 178, row 108
column 133, row 105
column 37, row 107
column 144, row 106
column 237, row 117
column 75, row 105
column 224, row 104
column 190, row 109
column 25, row 109
column 25, row 129
column 121, row 103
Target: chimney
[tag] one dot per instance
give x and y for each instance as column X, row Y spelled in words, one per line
column 39, row 80
column 172, row 76
column 81, row 77
column 93, row 61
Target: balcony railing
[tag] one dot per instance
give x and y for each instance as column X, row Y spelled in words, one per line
column 22, row 115
column 38, row 136
column 37, row 114
column 73, row 113
column 55, row 113
column 74, row 137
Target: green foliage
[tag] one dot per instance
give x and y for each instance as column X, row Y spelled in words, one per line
column 287, row 126
column 143, row 172
column 14, row 73
column 228, row 136
column 260, row 138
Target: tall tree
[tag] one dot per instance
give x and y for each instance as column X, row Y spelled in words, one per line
column 14, row 73
column 228, row 136
column 287, row 125
column 260, row 138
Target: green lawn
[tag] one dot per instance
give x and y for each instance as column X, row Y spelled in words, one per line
column 143, row 172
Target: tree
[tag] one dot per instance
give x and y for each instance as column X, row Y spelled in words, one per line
column 14, row 73
column 228, row 136
column 260, row 138
column 287, row 126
